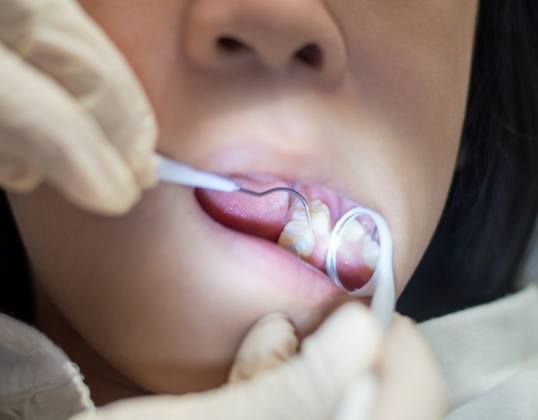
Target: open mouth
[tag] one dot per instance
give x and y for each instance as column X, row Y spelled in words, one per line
column 282, row 219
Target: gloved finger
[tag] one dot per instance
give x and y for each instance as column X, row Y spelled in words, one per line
column 312, row 383
column 359, row 399
column 308, row 387
column 270, row 342
column 18, row 177
column 15, row 21
column 57, row 37
column 43, row 128
column 410, row 381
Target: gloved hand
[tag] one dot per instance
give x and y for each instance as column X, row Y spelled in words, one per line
column 333, row 377
column 72, row 112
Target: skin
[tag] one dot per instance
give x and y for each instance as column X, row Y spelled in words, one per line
column 149, row 302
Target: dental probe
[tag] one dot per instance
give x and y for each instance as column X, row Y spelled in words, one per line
column 178, row 173
column 169, row 170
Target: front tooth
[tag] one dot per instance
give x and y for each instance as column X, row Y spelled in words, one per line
column 297, row 236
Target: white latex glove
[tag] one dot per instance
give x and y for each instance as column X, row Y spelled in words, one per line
column 410, row 383
column 72, row 113
column 331, row 378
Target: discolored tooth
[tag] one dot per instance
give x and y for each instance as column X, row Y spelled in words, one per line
column 297, row 238
column 321, row 217
column 297, row 235
column 319, row 213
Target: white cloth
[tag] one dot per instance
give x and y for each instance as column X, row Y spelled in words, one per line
column 37, row 380
column 489, row 356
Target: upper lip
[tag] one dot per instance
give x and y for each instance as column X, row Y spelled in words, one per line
column 250, row 158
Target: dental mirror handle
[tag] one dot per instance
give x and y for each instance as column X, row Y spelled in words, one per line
column 179, row 173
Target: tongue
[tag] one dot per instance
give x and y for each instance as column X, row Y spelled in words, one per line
column 261, row 216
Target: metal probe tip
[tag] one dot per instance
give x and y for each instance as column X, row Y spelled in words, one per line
column 291, row 191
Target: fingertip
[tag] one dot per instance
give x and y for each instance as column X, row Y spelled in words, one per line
column 340, row 350
column 118, row 201
column 112, row 205
column 20, row 178
column 350, row 338
column 275, row 329
column 274, row 317
column 270, row 342
column 148, row 175
column 106, row 189
column 140, row 154
column 149, row 130
column 111, row 187
column 113, row 194
column 356, row 319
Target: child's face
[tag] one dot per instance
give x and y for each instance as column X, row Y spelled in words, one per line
column 165, row 294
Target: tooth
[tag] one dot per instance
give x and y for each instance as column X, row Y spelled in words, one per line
column 353, row 231
column 297, row 236
column 369, row 248
column 319, row 213
column 370, row 251
column 321, row 217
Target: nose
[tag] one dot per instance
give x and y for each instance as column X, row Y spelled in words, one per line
column 276, row 35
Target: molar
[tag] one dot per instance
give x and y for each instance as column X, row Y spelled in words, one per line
column 370, row 251
column 369, row 248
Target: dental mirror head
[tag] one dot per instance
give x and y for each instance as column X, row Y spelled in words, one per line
column 348, row 240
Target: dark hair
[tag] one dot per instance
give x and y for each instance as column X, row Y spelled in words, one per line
column 15, row 285
column 480, row 242
column 482, row 236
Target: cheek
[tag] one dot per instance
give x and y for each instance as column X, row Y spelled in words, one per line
column 148, row 291
column 149, row 37
column 409, row 169
column 128, row 288
column 408, row 176
column 410, row 68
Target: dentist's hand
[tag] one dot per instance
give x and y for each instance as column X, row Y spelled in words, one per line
column 72, row 113
column 330, row 379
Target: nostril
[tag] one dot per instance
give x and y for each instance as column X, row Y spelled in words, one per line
column 231, row 45
column 310, row 55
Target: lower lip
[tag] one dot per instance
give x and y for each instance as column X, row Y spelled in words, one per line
column 266, row 260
